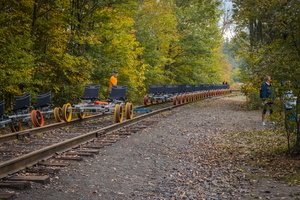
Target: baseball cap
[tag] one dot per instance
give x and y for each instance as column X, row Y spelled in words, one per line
column 116, row 71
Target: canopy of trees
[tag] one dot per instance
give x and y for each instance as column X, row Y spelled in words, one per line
column 59, row 46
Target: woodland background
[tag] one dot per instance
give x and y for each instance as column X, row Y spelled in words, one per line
column 267, row 42
column 61, row 45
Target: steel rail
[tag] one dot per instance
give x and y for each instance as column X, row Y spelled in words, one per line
column 16, row 164
column 17, row 135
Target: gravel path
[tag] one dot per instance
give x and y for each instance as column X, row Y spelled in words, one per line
column 179, row 157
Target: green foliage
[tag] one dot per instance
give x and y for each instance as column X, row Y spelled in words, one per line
column 268, row 43
column 60, row 46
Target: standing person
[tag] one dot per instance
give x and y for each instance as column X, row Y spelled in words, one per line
column 290, row 102
column 113, row 80
column 266, row 96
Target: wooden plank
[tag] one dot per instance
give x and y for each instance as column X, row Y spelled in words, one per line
column 43, row 170
column 55, row 164
column 7, row 195
column 38, row 179
column 20, row 185
column 69, row 158
column 81, row 154
column 89, row 151
column 95, row 147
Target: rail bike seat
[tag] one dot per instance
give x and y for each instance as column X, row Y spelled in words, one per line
column 2, row 108
column 156, row 89
column 118, row 92
column 181, row 89
column 171, row 89
column 91, row 92
column 197, row 88
column 22, row 102
column 43, row 100
column 189, row 88
column 201, row 88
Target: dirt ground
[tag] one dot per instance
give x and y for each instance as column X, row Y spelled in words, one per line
column 181, row 156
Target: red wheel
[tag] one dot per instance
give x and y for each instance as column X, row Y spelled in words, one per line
column 146, row 100
column 184, row 98
column 37, row 118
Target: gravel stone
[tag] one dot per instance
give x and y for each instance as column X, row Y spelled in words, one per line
column 176, row 158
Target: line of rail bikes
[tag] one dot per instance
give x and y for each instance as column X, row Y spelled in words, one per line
column 24, row 114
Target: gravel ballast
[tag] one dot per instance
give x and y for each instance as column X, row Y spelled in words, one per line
column 178, row 157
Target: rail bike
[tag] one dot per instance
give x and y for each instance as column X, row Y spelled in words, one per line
column 23, row 113
column 90, row 104
column 179, row 94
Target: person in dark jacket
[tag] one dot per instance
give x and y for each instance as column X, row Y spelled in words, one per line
column 267, row 98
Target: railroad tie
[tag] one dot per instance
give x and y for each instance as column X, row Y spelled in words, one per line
column 55, row 164
column 19, row 185
column 72, row 158
column 7, row 195
column 38, row 179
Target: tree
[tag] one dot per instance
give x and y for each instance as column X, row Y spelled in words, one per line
column 269, row 30
column 157, row 32
column 200, row 42
column 16, row 60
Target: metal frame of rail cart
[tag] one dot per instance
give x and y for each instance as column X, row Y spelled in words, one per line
column 21, row 113
column 155, row 94
column 171, row 92
column 90, row 104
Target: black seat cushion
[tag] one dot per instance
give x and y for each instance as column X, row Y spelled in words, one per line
column 118, row 92
column 22, row 102
column 91, row 92
column 43, row 100
column 2, row 108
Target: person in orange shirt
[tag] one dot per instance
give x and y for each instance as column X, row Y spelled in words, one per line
column 113, row 80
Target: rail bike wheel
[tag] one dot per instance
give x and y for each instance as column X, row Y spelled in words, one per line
column 82, row 114
column 146, row 100
column 179, row 99
column 188, row 98
column 57, row 112
column 175, row 100
column 118, row 113
column 198, row 96
column 32, row 116
column 37, row 118
column 67, row 112
column 152, row 100
column 129, row 110
column 16, row 126
column 184, row 98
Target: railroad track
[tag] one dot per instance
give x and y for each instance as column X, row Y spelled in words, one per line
column 56, row 125
column 39, row 147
